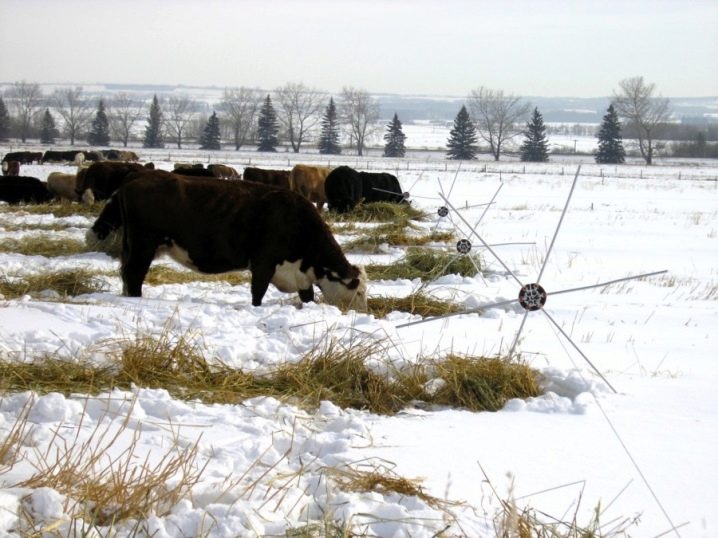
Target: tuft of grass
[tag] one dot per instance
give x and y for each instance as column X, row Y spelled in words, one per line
column 371, row 240
column 107, row 489
column 329, row 372
column 162, row 274
column 381, row 479
column 379, row 212
column 426, row 264
column 43, row 245
column 110, row 245
column 416, row 303
column 485, row 384
column 65, row 283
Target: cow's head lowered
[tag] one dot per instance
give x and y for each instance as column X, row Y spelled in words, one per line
column 348, row 292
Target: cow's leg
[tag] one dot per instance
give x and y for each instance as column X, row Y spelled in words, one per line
column 137, row 256
column 261, row 277
column 307, row 296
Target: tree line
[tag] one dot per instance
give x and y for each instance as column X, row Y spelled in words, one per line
column 298, row 115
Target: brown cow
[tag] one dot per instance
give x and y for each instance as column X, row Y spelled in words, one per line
column 220, row 226
column 223, row 171
column 309, row 182
column 274, row 178
column 63, row 186
column 103, row 178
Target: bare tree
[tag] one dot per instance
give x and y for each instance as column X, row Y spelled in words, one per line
column 239, row 106
column 360, row 112
column 180, row 112
column 125, row 112
column 299, row 111
column 25, row 98
column 498, row 117
column 642, row 111
column 75, row 111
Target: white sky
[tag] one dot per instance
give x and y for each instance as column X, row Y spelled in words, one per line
column 579, row 48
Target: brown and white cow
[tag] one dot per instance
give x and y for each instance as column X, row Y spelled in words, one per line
column 309, row 182
column 11, row 168
column 216, row 226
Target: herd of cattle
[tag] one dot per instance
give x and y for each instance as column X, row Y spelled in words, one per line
column 215, row 220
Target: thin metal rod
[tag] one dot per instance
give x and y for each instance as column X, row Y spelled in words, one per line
column 518, row 334
column 446, row 201
column 471, row 311
column 488, row 205
column 388, row 192
column 507, row 244
column 454, row 181
column 607, row 283
column 567, row 337
column 558, row 227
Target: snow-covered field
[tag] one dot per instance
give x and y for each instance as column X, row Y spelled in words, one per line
column 266, row 466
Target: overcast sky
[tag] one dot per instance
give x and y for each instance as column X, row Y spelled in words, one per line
column 579, row 48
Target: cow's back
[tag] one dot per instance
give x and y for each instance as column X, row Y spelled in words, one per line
column 309, row 182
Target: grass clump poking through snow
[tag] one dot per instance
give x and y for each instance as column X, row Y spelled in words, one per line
column 340, row 374
column 43, row 245
column 162, row 274
column 105, row 489
column 371, row 239
column 64, row 283
column 425, row 264
column 379, row 212
column 416, row 303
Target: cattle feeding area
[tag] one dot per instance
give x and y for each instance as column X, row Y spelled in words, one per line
column 267, row 461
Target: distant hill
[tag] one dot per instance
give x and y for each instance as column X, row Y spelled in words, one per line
column 410, row 108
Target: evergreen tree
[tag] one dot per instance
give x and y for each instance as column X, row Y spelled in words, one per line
column 48, row 131
column 610, row 143
column 4, row 120
column 329, row 137
column 210, row 138
column 153, row 130
column 535, row 146
column 462, row 138
column 394, row 138
column 267, row 127
column 99, row 134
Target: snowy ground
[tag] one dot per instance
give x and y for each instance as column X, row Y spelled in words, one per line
column 648, row 449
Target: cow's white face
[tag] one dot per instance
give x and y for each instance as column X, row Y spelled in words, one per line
column 345, row 293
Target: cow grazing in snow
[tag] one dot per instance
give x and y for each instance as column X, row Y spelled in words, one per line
column 216, row 226
column 346, row 187
column 309, row 182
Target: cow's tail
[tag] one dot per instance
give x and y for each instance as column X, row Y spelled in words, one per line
column 109, row 221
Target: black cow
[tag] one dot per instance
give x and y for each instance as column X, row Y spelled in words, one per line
column 52, row 156
column 23, row 189
column 274, row 178
column 103, row 178
column 217, row 226
column 346, row 187
column 23, row 157
column 194, row 172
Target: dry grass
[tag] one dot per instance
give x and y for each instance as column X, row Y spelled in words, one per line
column 425, row 264
column 378, row 212
column 43, row 245
column 104, row 488
column 162, row 274
column 371, row 240
column 416, row 303
column 328, row 372
column 65, row 283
